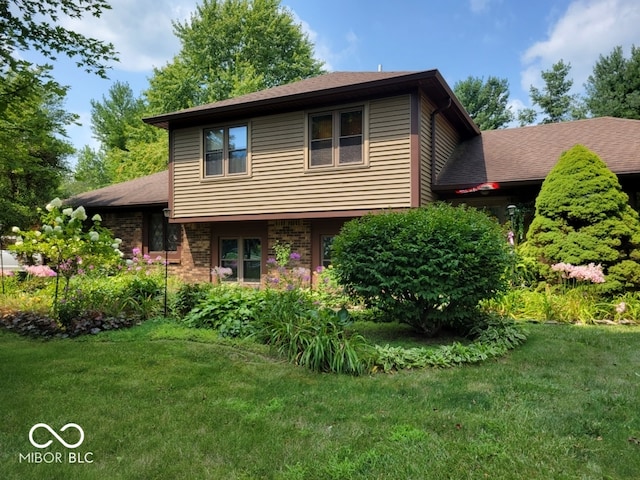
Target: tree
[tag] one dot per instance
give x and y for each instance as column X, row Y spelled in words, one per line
column 486, row 102
column 33, row 154
column 111, row 117
column 554, row 99
column 25, row 26
column 90, row 172
column 613, row 89
column 582, row 216
column 129, row 148
column 232, row 47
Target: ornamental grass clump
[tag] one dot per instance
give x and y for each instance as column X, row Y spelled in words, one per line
column 428, row 267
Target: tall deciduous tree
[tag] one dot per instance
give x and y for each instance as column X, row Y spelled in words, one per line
column 32, row 150
column 554, row 99
column 34, row 24
column 583, row 216
column 129, row 148
column 114, row 114
column 486, row 102
column 232, row 47
column 613, row 89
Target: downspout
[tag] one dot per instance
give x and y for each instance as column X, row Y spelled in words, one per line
column 433, row 140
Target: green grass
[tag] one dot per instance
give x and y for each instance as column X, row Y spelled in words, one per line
column 160, row 401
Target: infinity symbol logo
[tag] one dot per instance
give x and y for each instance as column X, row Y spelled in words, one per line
column 53, row 432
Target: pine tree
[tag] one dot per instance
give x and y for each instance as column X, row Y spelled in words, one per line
column 583, row 216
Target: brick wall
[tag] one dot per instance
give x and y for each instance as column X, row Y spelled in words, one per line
column 296, row 233
column 127, row 227
column 195, row 263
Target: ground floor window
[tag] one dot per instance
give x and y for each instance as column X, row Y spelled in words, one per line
column 325, row 252
column 159, row 230
column 243, row 256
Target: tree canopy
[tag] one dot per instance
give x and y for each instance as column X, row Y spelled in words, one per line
column 25, row 26
column 229, row 48
column 33, row 153
column 554, row 99
column 486, row 102
column 613, row 89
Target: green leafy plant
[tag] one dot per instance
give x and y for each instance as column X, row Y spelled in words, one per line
column 230, row 309
column 428, row 267
column 188, row 296
column 492, row 340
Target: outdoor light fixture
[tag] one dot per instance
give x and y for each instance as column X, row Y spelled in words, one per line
column 512, row 210
column 165, row 231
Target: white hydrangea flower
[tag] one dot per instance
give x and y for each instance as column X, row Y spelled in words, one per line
column 67, row 211
column 15, row 229
column 96, row 218
column 79, row 213
column 55, row 203
column 94, row 236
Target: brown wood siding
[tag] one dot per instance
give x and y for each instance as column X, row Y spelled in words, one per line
column 426, row 108
column 446, row 141
column 278, row 181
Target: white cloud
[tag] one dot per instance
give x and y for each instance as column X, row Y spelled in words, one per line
column 140, row 31
column 588, row 29
column 324, row 50
column 478, row 6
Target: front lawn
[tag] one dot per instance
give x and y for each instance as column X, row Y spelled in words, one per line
column 162, row 401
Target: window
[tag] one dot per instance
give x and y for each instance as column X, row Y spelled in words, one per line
column 336, row 138
column 325, row 253
column 243, row 256
column 157, row 225
column 225, row 151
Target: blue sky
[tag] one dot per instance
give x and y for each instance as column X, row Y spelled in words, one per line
column 512, row 39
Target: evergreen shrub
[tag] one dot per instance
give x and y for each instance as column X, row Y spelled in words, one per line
column 428, row 267
column 583, row 216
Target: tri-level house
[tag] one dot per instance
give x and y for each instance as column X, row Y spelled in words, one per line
column 292, row 163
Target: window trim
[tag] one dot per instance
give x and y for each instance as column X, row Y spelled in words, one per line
column 335, row 113
column 225, row 156
column 241, row 260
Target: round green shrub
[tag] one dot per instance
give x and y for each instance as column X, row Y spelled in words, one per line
column 428, row 267
column 583, row 216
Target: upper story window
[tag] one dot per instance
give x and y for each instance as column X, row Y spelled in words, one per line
column 225, row 151
column 336, row 138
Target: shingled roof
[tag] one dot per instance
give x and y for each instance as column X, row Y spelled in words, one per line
column 151, row 190
column 526, row 155
column 323, row 90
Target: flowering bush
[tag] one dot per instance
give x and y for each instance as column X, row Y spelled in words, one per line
column 284, row 271
column 143, row 264
column 220, row 273
column 65, row 245
column 585, row 273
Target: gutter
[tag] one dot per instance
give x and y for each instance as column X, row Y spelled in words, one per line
column 433, row 140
